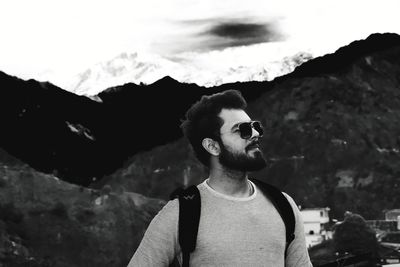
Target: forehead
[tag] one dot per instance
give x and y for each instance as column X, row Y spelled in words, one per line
column 232, row 117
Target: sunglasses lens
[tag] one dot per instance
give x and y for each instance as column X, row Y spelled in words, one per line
column 246, row 130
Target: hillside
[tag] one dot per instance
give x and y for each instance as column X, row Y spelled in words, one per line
column 47, row 222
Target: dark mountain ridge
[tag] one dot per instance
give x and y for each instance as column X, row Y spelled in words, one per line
column 36, row 118
column 80, row 140
column 346, row 55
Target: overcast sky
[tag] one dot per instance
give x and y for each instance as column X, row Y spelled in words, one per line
column 64, row 37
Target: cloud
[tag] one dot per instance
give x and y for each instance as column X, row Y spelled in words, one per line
column 238, row 31
column 217, row 33
column 233, row 33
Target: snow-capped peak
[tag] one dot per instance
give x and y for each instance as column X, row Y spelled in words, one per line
column 207, row 70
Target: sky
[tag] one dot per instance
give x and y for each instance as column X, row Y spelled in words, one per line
column 59, row 38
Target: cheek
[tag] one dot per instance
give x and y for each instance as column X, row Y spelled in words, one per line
column 235, row 145
column 234, row 142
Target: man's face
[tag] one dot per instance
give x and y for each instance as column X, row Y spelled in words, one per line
column 238, row 153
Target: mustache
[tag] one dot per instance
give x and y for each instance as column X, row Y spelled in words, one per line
column 255, row 143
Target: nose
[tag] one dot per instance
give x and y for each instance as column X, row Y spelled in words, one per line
column 254, row 133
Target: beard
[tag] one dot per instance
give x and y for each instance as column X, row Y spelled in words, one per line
column 242, row 161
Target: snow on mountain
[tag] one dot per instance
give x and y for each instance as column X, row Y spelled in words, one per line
column 124, row 68
column 207, row 69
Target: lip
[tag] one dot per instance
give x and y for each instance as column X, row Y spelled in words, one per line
column 253, row 146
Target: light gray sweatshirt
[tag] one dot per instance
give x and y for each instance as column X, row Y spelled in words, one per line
column 232, row 232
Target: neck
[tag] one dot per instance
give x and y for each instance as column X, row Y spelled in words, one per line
column 229, row 182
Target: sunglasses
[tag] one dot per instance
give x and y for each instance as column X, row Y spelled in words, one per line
column 246, row 129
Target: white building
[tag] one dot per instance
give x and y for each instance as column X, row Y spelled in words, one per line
column 392, row 215
column 316, row 221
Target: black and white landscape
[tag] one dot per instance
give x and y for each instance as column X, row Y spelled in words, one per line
column 90, row 144
column 77, row 171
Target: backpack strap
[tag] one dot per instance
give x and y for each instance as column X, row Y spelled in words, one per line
column 189, row 218
column 283, row 206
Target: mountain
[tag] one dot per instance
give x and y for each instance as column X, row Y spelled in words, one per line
column 85, row 140
column 124, row 68
column 137, row 68
column 81, row 139
column 332, row 134
column 52, row 130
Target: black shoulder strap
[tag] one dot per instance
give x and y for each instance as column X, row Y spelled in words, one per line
column 282, row 205
column 189, row 218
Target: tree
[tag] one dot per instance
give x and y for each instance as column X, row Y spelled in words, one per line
column 354, row 236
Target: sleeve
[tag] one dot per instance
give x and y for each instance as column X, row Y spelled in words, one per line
column 297, row 254
column 159, row 245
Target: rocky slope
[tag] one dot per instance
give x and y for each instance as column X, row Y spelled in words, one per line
column 47, row 222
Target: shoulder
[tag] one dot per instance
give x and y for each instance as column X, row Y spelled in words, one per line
column 167, row 214
column 170, row 209
column 294, row 205
column 290, row 199
column 273, row 192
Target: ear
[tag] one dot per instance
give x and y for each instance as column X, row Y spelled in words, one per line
column 211, row 146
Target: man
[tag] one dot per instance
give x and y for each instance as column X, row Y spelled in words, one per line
column 239, row 226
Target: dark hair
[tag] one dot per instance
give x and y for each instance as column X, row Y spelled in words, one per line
column 202, row 120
